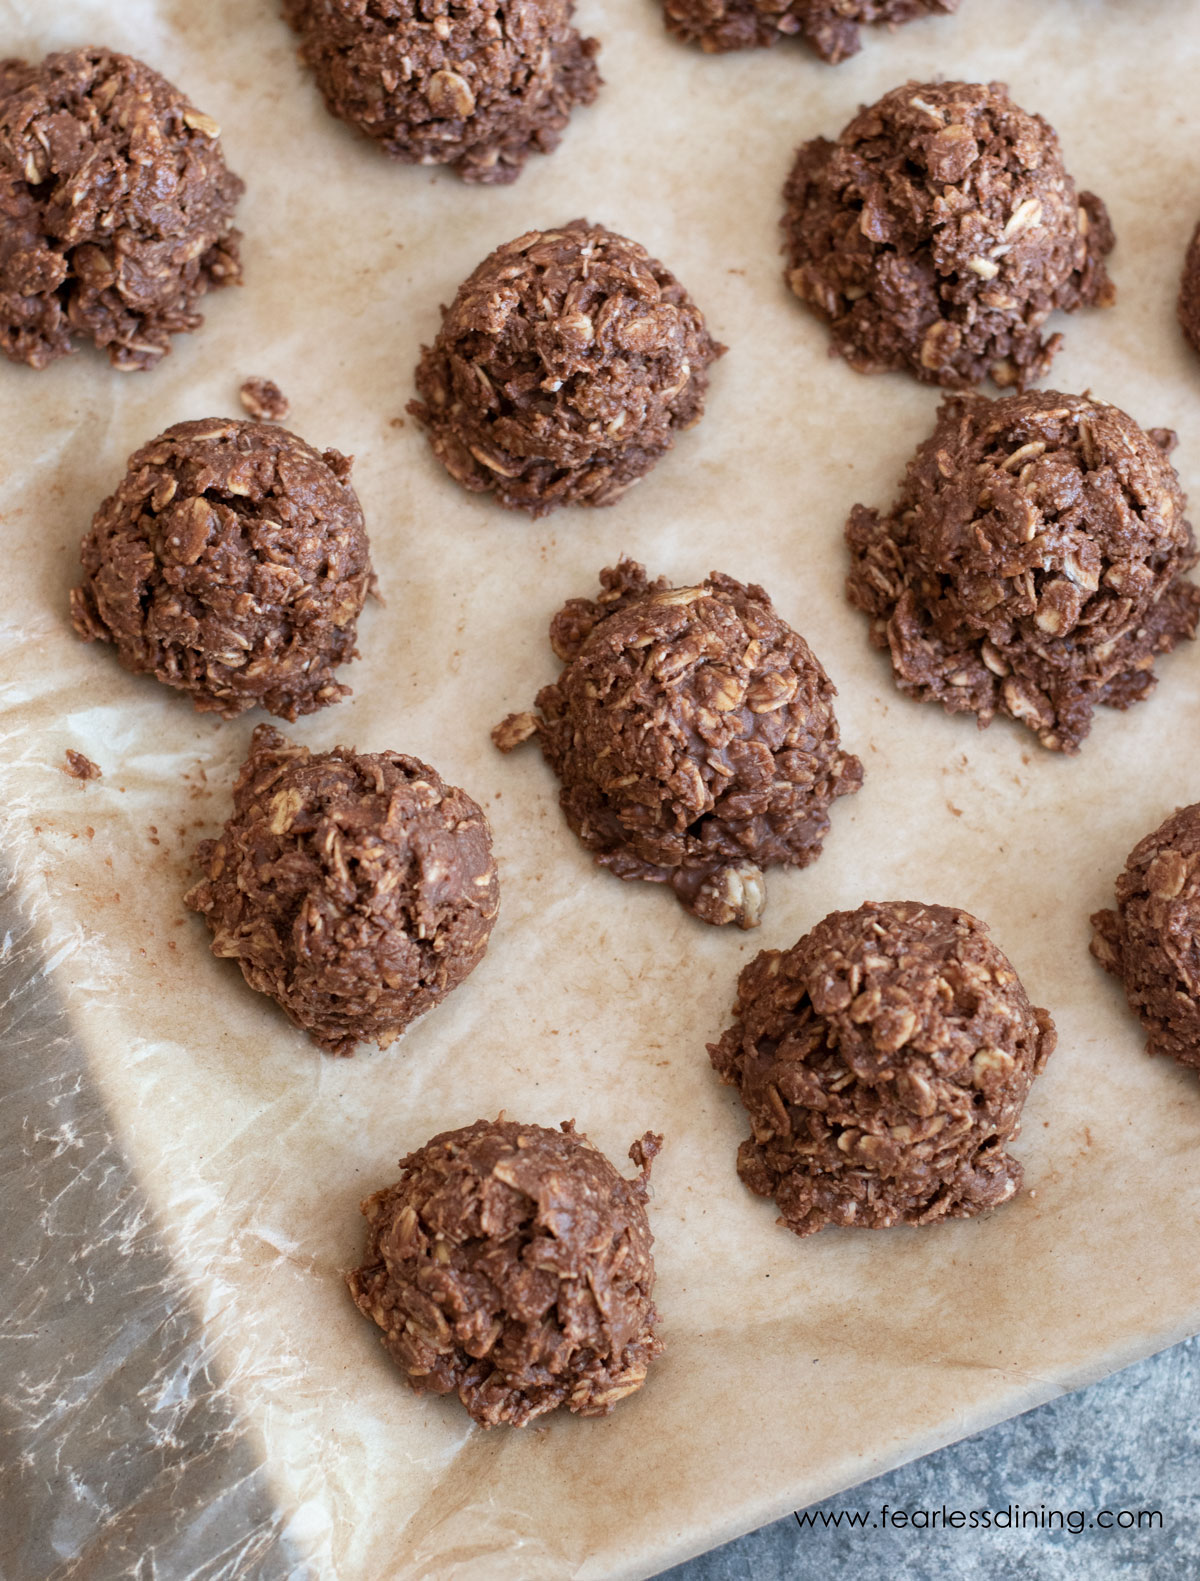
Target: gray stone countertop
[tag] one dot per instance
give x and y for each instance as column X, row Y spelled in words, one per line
column 1128, row 1444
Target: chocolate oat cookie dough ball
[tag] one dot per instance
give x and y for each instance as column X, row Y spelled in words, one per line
column 116, row 209
column 884, row 1061
column 563, row 370
column 830, row 27
column 940, row 232
column 475, row 84
column 232, row 563
column 357, row 889
column 1152, row 940
column 512, row 1264
column 694, row 735
column 1033, row 563
column 1189, row 293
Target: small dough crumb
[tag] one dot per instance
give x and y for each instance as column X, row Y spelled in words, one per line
column 1152, row 940
column 694, row 735
column 884, row 1061
column 938, row 234
column 81, row 768
column 1033, row 563
column 264, row 400
column 513, row 1264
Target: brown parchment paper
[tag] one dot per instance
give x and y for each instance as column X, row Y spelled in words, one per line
column 792, row 1369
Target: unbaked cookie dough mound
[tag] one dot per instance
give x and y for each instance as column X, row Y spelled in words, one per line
column 232, row 563
column 1033, row 563
column 1189, row 293
column 356, row 889
column 563, row 370
column 884, row 1061
column 1152, row 940
column 512, row 1265
column 116, row 209
column 940, row 232
column 475, row 84
column 694, row 735
column 830, row 27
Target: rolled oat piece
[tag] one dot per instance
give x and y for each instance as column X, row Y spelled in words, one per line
column 884, row 1061
column 563, row 370
column 938, row 234
column 512, row 1265
column 1032, row 564
column 232, row 563
column 829, row 27
column 478, row 86
column 356, row 889
column 116, row 209
column 1152, row 940
column 694, row 735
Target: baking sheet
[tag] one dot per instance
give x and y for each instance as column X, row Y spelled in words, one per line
column 793, row 1369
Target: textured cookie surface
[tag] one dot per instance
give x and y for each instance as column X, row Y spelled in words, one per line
column 694, row 735
column 830, row 27
column 1189, row 293
column 563, row 370
column 478, row 85
column 512, row 1265
column 1152, row 940
column 231, row 563
column 116, row 209
column 938, row 234
column 1032, row 564
column 356, row 889
column 884, row 1061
